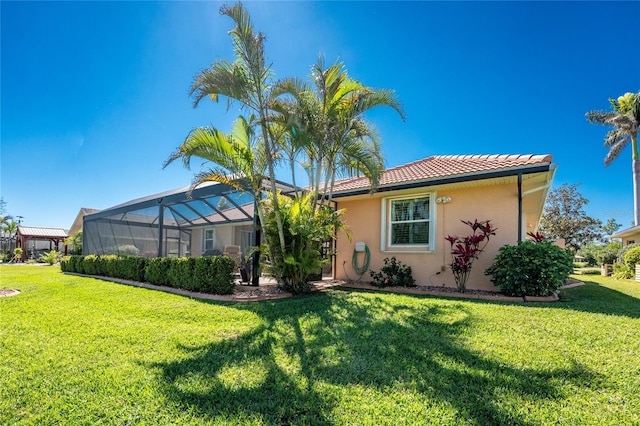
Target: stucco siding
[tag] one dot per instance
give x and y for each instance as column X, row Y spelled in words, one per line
column 364, row 216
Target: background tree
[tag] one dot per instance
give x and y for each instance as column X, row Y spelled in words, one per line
column 611, row 227
column 9, row 228
column 564, row 217
column 625, row 120
column 75, row 240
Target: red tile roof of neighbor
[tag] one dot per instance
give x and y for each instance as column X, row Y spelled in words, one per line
column 445, row 166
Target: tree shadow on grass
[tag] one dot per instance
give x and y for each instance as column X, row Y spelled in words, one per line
column 307, row 350
column 599, row 299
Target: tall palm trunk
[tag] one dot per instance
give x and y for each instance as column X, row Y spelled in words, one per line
column 636, row 182
column 268, row 144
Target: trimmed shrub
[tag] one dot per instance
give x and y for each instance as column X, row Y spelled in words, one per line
column 632, row 257
column 76, row 264
column 393, row 273
column 214, row 274
column 108, row 265
column 131, row 267
column 531, row 269
column 157, row 271
column 206, row 274
column 181, row 273
column 64, row 264
column 91, row 266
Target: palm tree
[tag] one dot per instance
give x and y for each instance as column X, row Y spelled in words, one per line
column 10, row 227
column 238, row 158
column 329, row 121
column 625, row 120
column 246, row 80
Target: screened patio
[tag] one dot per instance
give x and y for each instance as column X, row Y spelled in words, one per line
column 215, row 219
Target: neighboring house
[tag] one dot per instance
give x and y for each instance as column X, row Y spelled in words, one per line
column 77, row 222
column 628, row 236
column 34, row 241
column 418, row 204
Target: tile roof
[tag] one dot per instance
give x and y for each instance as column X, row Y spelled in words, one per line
column 444, row 166
column 31, row 231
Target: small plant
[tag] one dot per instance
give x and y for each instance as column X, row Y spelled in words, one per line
column 51, row 257
column 465, row 250
column 622, row 271
column 17, row 254
column 393, row 273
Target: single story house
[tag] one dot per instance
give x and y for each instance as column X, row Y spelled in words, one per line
column 629, row 235
column 415, row 207
column 418, row 204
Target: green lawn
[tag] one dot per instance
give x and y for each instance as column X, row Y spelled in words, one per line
column 77, row 350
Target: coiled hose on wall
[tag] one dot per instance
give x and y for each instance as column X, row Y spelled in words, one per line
column 360, row 270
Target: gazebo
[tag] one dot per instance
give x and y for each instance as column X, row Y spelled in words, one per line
column 40, row 238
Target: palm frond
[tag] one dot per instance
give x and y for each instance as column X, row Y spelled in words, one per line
column 218, row 175
column 615, row 150
column 599, row 117
column 223, row 78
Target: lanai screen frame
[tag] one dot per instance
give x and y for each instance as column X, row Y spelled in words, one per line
column 175, row 202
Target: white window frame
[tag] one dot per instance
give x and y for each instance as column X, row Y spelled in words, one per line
column 385, row 231
column 204, row 238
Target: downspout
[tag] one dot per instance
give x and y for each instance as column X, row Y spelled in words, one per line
column 519, row 207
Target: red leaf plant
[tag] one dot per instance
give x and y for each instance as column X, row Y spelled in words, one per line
column 465, row 250
column 537, row 237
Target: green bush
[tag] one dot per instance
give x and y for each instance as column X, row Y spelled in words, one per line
column 108, row 265
column 632, row 257
column 181, row 273
column 622, row 271
column 214, row 274
column 623, row 251
column 532, row 269
column 588, row 271
column 76, row 264
column 157, row 271
column 393, row 273
column 207, row 274
column 306, row 226
column 91, row 266
column 64, row 264
column 131, row 267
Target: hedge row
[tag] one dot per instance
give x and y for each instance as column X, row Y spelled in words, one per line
column 203, row 274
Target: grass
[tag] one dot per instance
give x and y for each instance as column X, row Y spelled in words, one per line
column 76, row 350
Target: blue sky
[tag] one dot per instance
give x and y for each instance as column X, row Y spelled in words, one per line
column 94, row 94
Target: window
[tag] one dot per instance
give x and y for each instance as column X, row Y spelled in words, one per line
column 408, row 222
column 208, row 239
